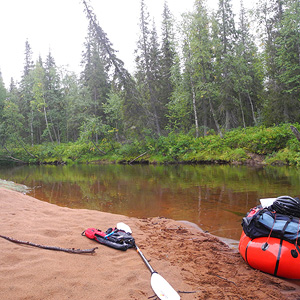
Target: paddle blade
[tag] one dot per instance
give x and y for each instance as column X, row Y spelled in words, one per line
column 162, row 288
column 124, row 227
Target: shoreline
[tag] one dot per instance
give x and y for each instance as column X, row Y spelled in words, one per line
column 233, row 244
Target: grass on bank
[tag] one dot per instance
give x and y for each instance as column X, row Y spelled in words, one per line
column 277, row 145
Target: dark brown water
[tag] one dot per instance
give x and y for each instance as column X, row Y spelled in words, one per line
column 213, row 197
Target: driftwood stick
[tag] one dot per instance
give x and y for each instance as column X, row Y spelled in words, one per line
column 69, row 250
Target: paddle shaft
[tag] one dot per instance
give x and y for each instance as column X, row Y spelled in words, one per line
column 160, row 286
column 144, row 259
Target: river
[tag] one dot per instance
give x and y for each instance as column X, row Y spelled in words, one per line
column 215, row 197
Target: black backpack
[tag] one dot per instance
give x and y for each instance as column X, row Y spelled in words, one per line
column 264, row 222
column 114, row 238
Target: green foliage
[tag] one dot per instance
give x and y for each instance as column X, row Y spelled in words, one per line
column 259, row 140
column 277, row 144
column 284, row 157
column 130, row 150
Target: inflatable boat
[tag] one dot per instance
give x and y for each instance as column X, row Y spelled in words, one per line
column 270, row 239
column 271, row 255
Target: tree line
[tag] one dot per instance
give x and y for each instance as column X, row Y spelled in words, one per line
column 208, row 72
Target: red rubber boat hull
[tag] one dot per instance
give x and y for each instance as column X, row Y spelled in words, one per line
column 277, row 259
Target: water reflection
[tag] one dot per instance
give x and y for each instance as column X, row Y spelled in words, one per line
column 214, row 197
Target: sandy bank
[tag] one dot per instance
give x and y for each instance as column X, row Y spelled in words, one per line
column 191, row 261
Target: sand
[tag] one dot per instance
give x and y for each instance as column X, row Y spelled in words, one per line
column 190, row 260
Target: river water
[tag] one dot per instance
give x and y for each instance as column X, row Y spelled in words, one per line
column 215, row 197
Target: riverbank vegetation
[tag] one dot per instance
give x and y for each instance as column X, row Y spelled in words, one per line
column 204, row 89
column 253, row 145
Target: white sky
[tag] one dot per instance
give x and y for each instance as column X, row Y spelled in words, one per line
column 61, row 26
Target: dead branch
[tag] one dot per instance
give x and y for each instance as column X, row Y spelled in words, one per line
column 69, row 250
column 15, row 159
column 138, row 157
column 101, row 151
column 10, row 155
column 295, row 132
column 22, row 144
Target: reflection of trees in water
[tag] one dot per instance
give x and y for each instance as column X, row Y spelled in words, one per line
column 208, row 195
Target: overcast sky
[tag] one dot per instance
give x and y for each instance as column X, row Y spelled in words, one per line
column 61, row 27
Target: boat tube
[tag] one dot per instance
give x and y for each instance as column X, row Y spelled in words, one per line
column 271, row 255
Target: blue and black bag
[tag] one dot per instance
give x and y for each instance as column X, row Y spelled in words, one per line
column 263, row 222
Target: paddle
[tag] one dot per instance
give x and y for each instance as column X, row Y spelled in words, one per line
column 160, row 286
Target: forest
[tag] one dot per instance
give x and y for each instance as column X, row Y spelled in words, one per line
column 199, row 78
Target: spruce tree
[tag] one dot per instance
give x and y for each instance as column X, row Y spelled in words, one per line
column 224, row 66
column 147, row 64
column 167, row 62
column 94, row 76
column 248, row 79
column 53, row 98
column 121, row 78
column 39, row 105
column 95, row 81
column 2, row 100
column 201, row 62
column 288, row 59
column 74, row 105
column 12, row 124
column 269, row 16
column 26, row 94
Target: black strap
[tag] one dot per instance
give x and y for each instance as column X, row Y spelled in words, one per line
column 246, row 251
column 278, row 257
column 285, row 226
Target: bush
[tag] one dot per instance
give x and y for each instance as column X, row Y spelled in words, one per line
column 259, row 140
